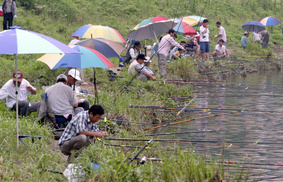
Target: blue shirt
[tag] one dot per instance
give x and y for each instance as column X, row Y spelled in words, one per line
column 175, row 49
column 78, row 124
column 244, row 41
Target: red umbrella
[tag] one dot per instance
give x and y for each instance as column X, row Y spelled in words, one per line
column 184, row 29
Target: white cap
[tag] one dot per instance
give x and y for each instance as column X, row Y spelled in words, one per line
column 147, row 60
column 75, row 74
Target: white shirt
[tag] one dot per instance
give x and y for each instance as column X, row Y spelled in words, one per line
column 8, row 91
column 222, row 34
column 132, row 67
column 222, row 48
column 256, row 36
column 204, row 37
column 134, row 54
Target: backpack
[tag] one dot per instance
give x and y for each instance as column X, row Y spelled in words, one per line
column 127, row 58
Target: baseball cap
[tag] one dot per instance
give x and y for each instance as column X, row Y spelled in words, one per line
column 18, row 75
column 137, row 43
column 75, row 74
column 246, row 32
column 141, row 56
column 147, row 60
column 61, row 76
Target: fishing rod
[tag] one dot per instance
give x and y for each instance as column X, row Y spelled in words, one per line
column 151, row 140
column 180, row 133
column 53, row 171
column 125, row 88
column 194, row 141
column 229, row 95
column 195, row 119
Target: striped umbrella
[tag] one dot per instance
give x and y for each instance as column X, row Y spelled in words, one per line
column 184, row 29
column 88, row 58
column 107, row 48
column 198, row 18
column 270, row 21
column 150, row 20
column 190, row 21
column 98, row 31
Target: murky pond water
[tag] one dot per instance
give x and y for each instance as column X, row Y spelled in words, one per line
column 254, row 136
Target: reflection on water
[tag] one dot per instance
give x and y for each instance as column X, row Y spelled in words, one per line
column 247, row 127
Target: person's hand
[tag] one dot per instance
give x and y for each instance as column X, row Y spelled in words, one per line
column 29, row 88
column 215, row 37
column 153, row 78
column 101, row 134
column 15, row 16
column 209, row 41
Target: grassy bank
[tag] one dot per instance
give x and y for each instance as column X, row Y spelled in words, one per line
column 59, row 19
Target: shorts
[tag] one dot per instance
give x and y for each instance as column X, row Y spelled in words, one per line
column 204, row 47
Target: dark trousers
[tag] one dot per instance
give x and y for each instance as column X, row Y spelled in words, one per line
column 8, row 17
column 25, row 107
column 84, row 105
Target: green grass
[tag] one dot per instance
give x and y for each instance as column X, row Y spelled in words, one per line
column 59, row 19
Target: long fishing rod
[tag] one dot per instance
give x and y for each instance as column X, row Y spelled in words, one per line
column 152, row 139
column 228, row 95
column 195, row 119
column 180, row 133
column 195, row 141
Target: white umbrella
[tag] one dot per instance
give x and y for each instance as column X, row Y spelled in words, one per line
column 151, row 30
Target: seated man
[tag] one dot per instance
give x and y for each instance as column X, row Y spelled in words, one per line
column 78, row 132
column 179, row 53
column 139, row 67
column 60, row 98
column 245, row 40
column 193, row 45
column 73, row 76
column 8, row 91
column 220, row 50
column 175, row 49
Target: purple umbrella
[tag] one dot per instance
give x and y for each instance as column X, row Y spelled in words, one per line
column 17, row 41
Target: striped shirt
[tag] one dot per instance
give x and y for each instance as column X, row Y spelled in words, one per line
column 78, row 124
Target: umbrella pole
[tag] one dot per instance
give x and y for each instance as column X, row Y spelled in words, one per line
column 17, row 103
column 95, row 87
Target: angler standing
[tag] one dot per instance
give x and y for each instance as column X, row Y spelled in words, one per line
column 164, row 48
column 9, row 13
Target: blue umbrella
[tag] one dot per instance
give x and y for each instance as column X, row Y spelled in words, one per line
column 270, row 21
column 253, row 26
column 17, row 41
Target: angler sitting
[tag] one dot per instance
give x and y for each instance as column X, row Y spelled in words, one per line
column 138, row 67
column 132, row 53
column 61, row 100
column 8, row 91
column 220, row 50
column 79, row 131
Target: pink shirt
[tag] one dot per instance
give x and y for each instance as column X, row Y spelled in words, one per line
column 222, row 34
column 165, row 45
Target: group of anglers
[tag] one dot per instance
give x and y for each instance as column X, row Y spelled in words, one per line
column 60, row 101
column 168, row 48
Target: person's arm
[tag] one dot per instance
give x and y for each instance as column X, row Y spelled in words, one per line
column 176, row 54
column 150, row 76
column 98, row 134
column 15, row 8
column 204, row 31
column 174, row 43
column 4, row 91
column 30, row 88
